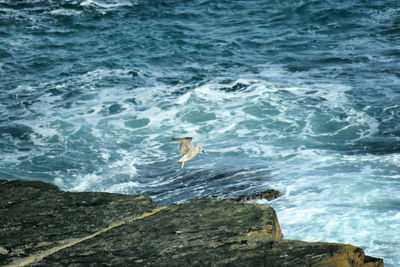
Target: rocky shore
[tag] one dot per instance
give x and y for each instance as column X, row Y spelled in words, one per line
column 41, row 225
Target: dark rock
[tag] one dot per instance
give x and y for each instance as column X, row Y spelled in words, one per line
column 43, row 226
column 35, row 216
column 268, row 195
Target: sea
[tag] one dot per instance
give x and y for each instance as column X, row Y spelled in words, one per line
column 298, row 96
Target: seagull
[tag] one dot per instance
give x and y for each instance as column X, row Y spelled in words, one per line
column 188, row 152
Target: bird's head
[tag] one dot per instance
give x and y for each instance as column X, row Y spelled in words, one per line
column 199, row 148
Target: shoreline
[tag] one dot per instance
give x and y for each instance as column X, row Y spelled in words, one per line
column 42, row 225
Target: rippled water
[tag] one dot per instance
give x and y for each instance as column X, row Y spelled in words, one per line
column 299, row 96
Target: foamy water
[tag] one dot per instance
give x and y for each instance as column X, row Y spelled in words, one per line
column 93, row 91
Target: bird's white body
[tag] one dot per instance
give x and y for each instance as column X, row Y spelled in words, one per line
column 188, row 152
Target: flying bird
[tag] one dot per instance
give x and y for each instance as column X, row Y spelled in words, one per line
column 188, row 152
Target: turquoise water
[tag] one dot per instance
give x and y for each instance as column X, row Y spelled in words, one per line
column 300, row 96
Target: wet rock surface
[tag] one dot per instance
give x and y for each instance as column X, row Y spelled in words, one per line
column 41, row 225
column 268, row 195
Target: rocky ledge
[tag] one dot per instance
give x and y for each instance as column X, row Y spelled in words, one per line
column 41, row 225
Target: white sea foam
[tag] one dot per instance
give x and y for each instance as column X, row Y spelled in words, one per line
column 125, row 187
column 65, row 12
column 104, row 5
column 342, row 208
column 87, row 182
column 59, row 182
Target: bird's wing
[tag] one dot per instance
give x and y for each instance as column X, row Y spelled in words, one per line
column 184, row 147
